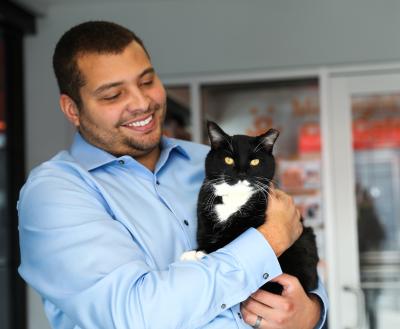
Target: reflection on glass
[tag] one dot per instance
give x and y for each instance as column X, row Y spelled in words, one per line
column 376, row 143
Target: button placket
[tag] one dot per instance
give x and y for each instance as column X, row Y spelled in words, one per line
column 183, row 222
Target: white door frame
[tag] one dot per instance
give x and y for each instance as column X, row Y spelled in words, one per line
column 347, row 309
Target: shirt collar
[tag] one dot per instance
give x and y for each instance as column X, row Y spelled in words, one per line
column 92, row 157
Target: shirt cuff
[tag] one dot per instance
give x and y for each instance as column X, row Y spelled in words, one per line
column 323, row 300
column 256, row 256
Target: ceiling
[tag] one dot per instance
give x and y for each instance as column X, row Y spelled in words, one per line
column 41, row 6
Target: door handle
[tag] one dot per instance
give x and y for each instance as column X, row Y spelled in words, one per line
column 358, row 292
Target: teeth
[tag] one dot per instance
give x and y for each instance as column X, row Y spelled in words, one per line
column 141, row 123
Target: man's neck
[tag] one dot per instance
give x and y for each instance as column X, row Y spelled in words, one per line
column 149, row 160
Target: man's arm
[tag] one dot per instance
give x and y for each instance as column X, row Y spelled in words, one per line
column 96, row 274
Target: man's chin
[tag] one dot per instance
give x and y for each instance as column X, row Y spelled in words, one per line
column 144, row 147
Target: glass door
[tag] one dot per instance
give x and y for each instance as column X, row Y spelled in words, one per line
column 365, row 131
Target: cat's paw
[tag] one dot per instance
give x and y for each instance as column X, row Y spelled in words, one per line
column 192, row 255
column 189, row 255
column 200, row 255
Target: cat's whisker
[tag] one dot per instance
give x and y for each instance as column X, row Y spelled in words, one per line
column 265, row 185
column 214, row 181
column 264, row 189
column 209, row 202
column 270, row 180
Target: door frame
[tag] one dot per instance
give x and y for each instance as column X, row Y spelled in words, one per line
column 340, row 214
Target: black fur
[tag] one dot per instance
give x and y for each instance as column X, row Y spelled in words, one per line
column 301, row 258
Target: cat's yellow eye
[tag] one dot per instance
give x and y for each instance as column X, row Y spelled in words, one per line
column 229, row 160
column 254, row 162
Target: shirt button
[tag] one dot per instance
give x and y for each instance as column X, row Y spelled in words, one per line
column 265, row 276
column 121, row 162
column 223, row 306
column 186, row 222
column 239, row 315
column 157, row 182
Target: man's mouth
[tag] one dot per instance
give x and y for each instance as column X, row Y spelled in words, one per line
column 142, row 124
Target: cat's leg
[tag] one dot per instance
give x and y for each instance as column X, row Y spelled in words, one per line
column 193, row 255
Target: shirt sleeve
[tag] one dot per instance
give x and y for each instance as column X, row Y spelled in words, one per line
column 323, row 299
column 91, row 268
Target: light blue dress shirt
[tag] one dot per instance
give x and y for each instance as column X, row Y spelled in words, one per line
column 101, row 238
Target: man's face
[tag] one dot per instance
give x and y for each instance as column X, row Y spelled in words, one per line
column 123, row 102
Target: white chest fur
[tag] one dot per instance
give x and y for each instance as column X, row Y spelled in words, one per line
column 233, row 198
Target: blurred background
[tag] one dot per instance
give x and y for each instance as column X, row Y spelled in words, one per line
column 325, row 73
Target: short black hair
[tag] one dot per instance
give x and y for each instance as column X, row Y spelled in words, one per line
column 89, row 37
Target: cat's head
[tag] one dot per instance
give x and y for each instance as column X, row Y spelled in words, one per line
column 240, row 157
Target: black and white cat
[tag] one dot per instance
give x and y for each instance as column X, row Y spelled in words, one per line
column 234, row 196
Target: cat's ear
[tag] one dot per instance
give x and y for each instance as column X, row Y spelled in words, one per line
column 216, row 134
column 268, row 139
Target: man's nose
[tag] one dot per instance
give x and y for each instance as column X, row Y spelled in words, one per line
column 138, row 100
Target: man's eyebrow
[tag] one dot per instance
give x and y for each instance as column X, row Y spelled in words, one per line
column 110, row 85
column 147, row 71
column 106, row 86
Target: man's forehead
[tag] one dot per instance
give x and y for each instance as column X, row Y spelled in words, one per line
column 106, row 67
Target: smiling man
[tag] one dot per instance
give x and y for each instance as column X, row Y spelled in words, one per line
column 121, row 103
column 103, row 225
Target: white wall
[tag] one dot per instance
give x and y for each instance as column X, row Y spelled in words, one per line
column 208, row 36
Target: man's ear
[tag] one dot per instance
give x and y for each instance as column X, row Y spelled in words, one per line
column 70, row 109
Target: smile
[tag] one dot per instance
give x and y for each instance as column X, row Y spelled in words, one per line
column 140, row 123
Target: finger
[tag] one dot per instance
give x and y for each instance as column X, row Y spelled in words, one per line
column 268, row 316
column 264, row 301
column 284, row 279
column 256, row 307
column 251, row 318
column 288, row 282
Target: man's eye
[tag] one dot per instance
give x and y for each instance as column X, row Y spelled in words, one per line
column 147, row 83
column 112, row 97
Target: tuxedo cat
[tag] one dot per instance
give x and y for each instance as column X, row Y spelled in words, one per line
column 234, row 196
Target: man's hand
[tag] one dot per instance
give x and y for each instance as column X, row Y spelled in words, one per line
column 293, row 309
column 282, row 226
